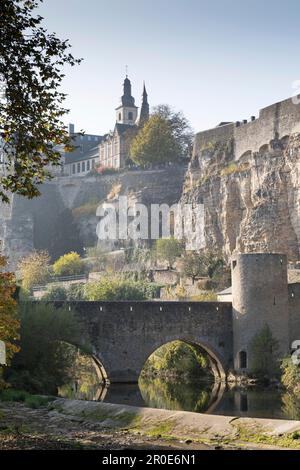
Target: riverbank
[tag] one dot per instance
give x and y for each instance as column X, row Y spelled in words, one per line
column 71, row 424
column 24, row 428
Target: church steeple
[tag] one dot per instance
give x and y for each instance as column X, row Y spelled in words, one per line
column 127, row 99
column 127, row 111
column 144, row 116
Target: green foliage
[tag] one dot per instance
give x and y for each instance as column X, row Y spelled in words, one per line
column 32, row 401
column 115, row 288
column 264, row 351
column 75, row 292
column 45, row 359
column 180, row 127
column 193, row 265
column 154, row 143
column 176, row 358
column 55, row 293
column 291, row 376
column 213, row 260
column 35, row 269
column 13, row 395
column 68, row 265
column 175, row 395
column 207, row 296
column 168, row 249
column 31, row 67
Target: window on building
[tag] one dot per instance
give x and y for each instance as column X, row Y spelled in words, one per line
column 88, row 165
column 74, row 168
column 242, row 360
column 89, row 137
column 130, row 116
column 78, row 167
column 83, row 166
column 93, row 163
column 120, row 116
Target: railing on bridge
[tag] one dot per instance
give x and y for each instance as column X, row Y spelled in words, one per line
column 58, row 280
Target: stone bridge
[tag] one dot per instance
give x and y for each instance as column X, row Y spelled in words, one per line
column 124, row 334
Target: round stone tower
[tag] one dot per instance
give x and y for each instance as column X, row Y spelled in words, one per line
column 259, row 297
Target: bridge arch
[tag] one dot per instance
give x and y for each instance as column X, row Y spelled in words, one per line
column 216, row 362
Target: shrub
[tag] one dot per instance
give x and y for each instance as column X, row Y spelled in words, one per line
column 264, row 350
column 114, row 288
column 168, row 249
column 208, row 296
column 55, row 293
column 32, row 401
column 176, row 357
column 76, row 292
column 44, row 361
column 290, row 376
column 34, row 269
column 68, row 265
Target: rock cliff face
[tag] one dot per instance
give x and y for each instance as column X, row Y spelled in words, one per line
column 64, row 218
column 251, row 204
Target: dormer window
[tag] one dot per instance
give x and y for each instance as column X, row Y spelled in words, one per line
column 120, row 116
column 130, row 116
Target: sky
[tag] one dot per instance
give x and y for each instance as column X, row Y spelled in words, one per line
column 216, row 60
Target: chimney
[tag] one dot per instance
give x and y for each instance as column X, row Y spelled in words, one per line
column 71, row 129
column 252, row 118
column 245, row 121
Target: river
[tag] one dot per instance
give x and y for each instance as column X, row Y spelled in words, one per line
column 196, row 396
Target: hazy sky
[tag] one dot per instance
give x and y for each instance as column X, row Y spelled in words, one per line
column 215, row 60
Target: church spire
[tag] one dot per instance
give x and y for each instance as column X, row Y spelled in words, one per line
column 127, row 112
column 144, row 116
column 127, row 99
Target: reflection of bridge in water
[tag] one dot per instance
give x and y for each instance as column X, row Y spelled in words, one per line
column 136, row 395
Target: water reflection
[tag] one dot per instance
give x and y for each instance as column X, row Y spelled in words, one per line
column 196, row 396
column 175, row 395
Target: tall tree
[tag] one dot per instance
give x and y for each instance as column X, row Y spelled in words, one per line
column 193, row 265
column 180, row 127
column 34, row 269
column 168, row 249
column 31, row 129
column 154, row 143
